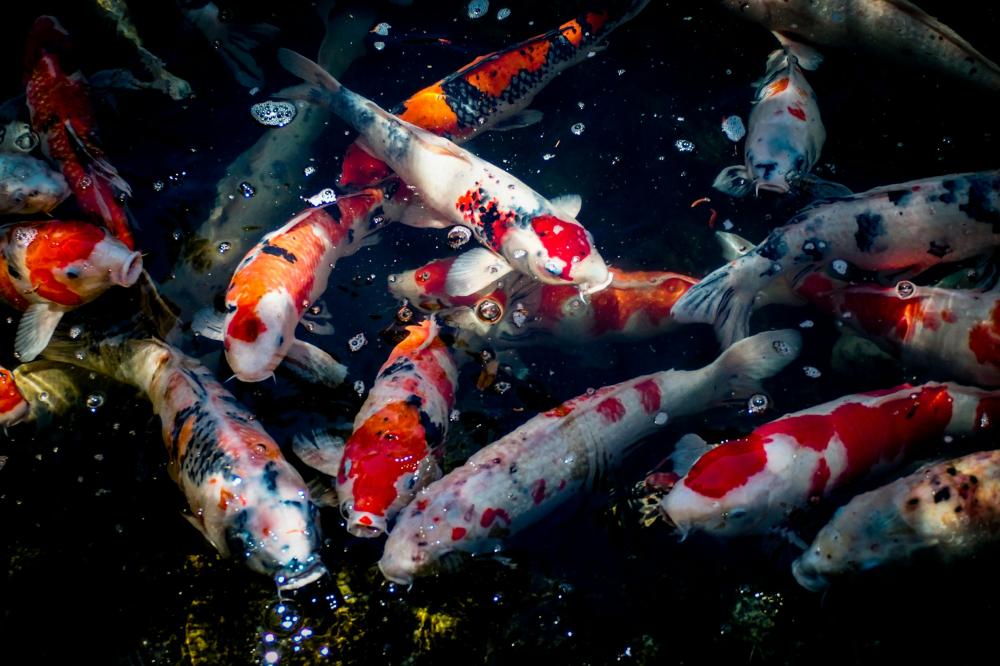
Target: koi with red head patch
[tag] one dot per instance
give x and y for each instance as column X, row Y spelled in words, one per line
column 493, row 91
column 55, row 266
column 949, row 510
column 61, row 113
column 246, row 499
column 13, row 407
column 284, row 274
column 950, row 332
column 556, row 456
column 532, row 234
column 751, row 485
column 395, row 449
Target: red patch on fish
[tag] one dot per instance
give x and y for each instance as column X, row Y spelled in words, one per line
column 245, row 325
column 538, row 491
column 797, row 112
column 820, row 477
column 360, row 169
column 458, row 533
column 365, row 520
column 566, row 241
column 649, row 392
column 612, row 410
column 560, row 411
column 490, row 515
column 984, row 339
column 57, row 245
column 987, row 412
column 726, row 467
column 948, row 316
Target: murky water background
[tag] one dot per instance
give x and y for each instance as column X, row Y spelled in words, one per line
column 99, row 564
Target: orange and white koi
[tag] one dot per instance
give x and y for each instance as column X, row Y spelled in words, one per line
column 948, row 509
column 531, row 233
column 285, row 273
column 13, row 406
column 897, row 229
column 555, row 457
column 48, row 268
column 494, row 91
column 61, row 113
column 246, row 499
column 395, row 449
column 751, row 485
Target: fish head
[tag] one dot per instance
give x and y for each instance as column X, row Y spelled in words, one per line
column 47, row 36
column 29, row 186
column 424, row 287
column 258, row 335
column 74, row 262
column 13, row 407
column 18, row 137
column 735, row 181
column 413, row 549
column 277, row 533
column 386, row 461
column 360, row 169
column 564, row 253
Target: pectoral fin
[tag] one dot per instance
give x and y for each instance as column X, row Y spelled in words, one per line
column 35, row 330
column 569, row 204
column 525, row 118
column 312, row 364
column 474, row 271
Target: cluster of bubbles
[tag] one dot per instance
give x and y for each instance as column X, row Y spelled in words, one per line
column 478, row 8
column 273, row 114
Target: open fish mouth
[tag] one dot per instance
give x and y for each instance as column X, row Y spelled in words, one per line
column 777, row 188
column 587, row 289
column 309, row 575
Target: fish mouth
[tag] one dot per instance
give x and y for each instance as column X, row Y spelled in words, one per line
column 809, row 578
column 130, row 270
column 15, row 416
column 771, row 187
column 311, row 574
column 366, row 525
column 398, row 578
column 587, row 289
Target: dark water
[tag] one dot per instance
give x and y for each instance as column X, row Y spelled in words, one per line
column 100, row 565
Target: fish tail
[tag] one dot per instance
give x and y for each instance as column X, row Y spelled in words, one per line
column 740, row 369
column 723, row 298
column 319, row 88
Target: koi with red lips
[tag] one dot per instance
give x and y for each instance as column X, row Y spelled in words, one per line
column 946, row 331
column 751, row 485
column 395, row 449
column 494, row 90
column 48, row 268
column 62, row 115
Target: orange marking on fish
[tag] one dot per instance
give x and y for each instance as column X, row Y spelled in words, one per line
column 774, row 88
column 428, row 108
column 57, row 245
column 225, row 497
column 495, row 76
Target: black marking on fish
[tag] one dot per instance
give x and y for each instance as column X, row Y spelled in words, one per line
column 981, row 205
column 765, row 169
column 276, row 251
column 13, row 272
column 350, row 236
column 375, row 220
column 397, row 140
column 950, row 185
column 869, row 229
column 241, row 543
column 938, row 249
column 433, row 433
column 812, row 251
column 335, row 212
column 401, row 364
column 899, row 197
column 774, row 246
column 270, row 477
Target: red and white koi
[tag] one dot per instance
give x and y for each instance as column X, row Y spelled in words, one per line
column 752, row 484
column 898, row 229
column 246, row 499
column 285, row 273
column 521, row 478
column 532, row 234
column 13, row 406
column 395, row 449
column 48, row 268
column 61, row 113
column 948, row 509
column 946, row 331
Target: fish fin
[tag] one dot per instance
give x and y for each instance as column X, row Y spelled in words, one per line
column 102, row 167
column 808, row 57
column 318, row 323
column 420, row 216
column 221, row 547
column 735, row 181
column 792, row 537
column 519, row 120
column 209, row 323
column 323, row 83
column 724, row 298
column 733, row 245
column 740, row 369
column 321, row 494
column 37, row 325
column 320, row 450
column 312, row 364
column 817, row 187
column 568, row 203
column 687, row 450
column 475, row 270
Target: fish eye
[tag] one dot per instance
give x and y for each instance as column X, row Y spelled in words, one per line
column 26, row 141
column 553, row 267
column 738, row 514
column 72, row 273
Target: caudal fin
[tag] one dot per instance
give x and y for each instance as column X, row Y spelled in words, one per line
column 741, row 368
column 319, row 88
column 724, row 298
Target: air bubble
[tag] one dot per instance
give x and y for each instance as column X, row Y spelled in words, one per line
column 478, row 8
column 273, row 114
column 660, row 418
column 503, row 13
column 839, row 266
column 684, row 146
column 95, row 401
column 501, row 387
column 357, row 342
column 323, row 197
column 359, row 387
column 458, row 236
column 382, row 29
column 811, row 371
column 781, row 347
column 906, row 289
column 379, row 45
column 247, row 190
column 577, row 129
column 489, row 311
column 758, row 403
column 224, row 247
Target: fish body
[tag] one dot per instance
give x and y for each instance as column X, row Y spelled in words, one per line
column 533, row 235
column 897, row 230
column 949, row 509
column 246, row 499
column 495, row 89
column 752, row 484
column 61, row 113
column 285, row 273
column 28, row 185
column 51, row 267
column 953, row 332
column 14, row 408
column 894, row 29
column 395, row 449
column 786, row 132
column 556, row 456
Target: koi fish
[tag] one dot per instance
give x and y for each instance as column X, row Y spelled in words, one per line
column 28, row 185
column 285, row 273
column 532, row 234
column 636, row 305
column 786, row 132
column 949, row 331
column 395, row 449
column 246, row 499
column 17, row 137
column 949, row 509
column 898, row 229
column 556, row 456
column 752, row 484
column 61, row 112
column 493, row 92
column 49, row 268
column 14, row 407
column 894, row 29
